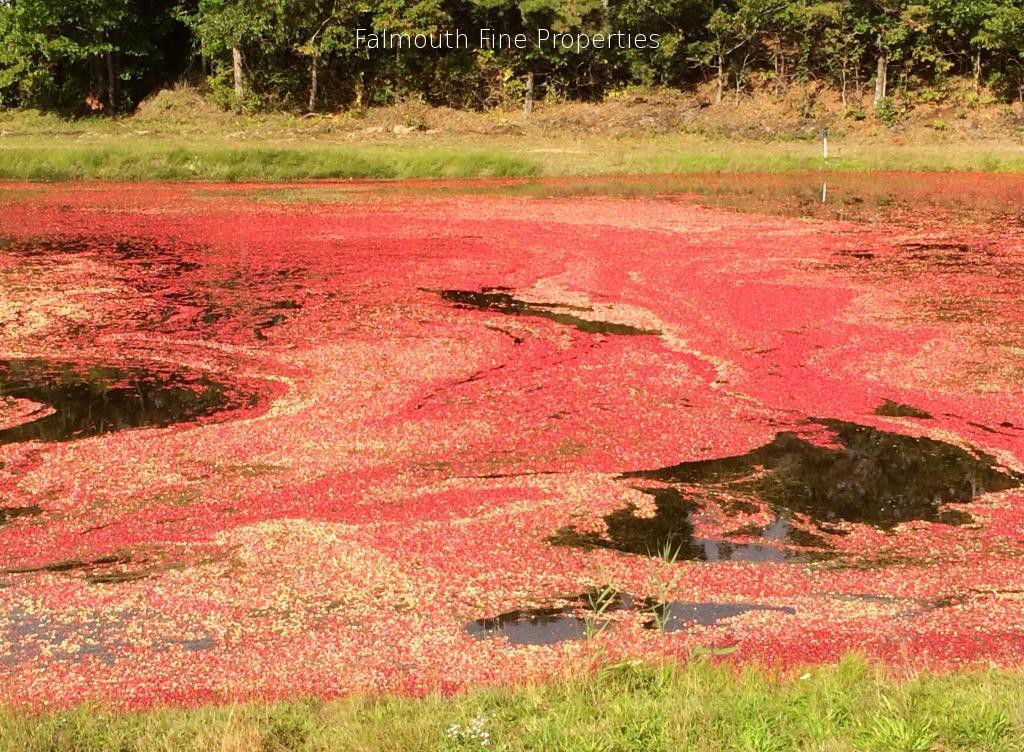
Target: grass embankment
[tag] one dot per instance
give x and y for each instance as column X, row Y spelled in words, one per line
column 213, row 145
column 53, row 158
column 628, row 707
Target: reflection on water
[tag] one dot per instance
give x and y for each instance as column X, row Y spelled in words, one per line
column 29, row 637
column 534, row 626
column 676, row 615
column 867, row 476
column 669, row 533
column 898, row 197
column 587, row 612
column 862, row 475
column 79, row 400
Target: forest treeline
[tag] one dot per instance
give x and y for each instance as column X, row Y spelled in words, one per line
column 106, row 55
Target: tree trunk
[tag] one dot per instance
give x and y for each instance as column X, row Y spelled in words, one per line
column 977, row 70
column 880, row 80
column 721, row 80
column 528, row 100
column 111, row 91
column 236, row 60
column 313, row 81
column 842, row 76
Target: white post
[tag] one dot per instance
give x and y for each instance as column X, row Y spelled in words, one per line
column 824, row 144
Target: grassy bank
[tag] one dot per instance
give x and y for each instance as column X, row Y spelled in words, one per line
column 180, row 135
column 174, row 161
column 626, row 707
column 210, row 158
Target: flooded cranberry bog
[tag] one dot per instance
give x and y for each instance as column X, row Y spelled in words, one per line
column 315, row 439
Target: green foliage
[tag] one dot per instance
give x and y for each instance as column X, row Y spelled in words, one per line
column 888, row 113
column 80, row 55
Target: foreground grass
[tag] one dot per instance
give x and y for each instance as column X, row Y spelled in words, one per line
column 623, row 707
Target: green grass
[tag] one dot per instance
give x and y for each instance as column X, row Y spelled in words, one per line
column 633, row 708
column 101, row 150
column 119, row 161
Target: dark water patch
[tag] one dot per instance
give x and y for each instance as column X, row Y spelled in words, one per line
column 588, row 613
column 899, row 198
column 147, row 254
column 861, row 475
column 32, row 637
column 939, row 254
column 275, row 320
column 674, row 616
column 909, row 607
column 91, row 400
column 501, row 301
column 534, row 626
column 188, row 644
column 989, row 429
column 7, row 514
column 892, row 409
column 669, row 534
column 868, row 476
column 581, row 614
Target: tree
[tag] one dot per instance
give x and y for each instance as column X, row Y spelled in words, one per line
column 1002, row 32
column 64, row 53
column 226, row 26
column 732, row 31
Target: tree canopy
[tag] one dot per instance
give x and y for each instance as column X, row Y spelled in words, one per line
column 105, row 55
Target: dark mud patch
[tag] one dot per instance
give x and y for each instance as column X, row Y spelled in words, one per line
column 855, row 475
column 8, row 514
column 70, row 565
column 943, row 255
column 501, row 301
column 892, row 409
column 103, row 570
column 82, row 400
